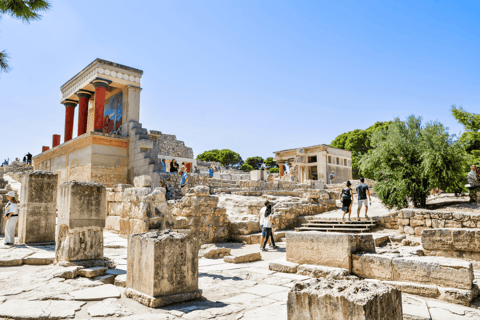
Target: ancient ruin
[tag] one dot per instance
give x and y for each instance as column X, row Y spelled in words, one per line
column 107, row 231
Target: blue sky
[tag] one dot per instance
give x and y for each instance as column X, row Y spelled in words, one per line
column 251, row 76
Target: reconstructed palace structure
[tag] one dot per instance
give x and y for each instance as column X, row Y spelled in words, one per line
column 111, row 146
column 316, row 163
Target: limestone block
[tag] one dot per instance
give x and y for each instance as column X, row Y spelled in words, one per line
column 249, row 257
column 417, row 223
column 257, row 175
column 121, row 280
column 244, row 227
column 130, row 226
column 112, row 223
column 397, row 237
column 82, row 204
column 283, row 266
column 79, row 244
column 453, row 224
column 328, row 299
column 449, row 272
column 110, row 196
column 418, row 230
column 121, row 187
column 373, row 266
column 424, row 290
column 134, row 194
column 469, row 224
column 404, row 222
column 211, row 251
column 38, row 202
column 200, row 191
column 142, row 181
column 451, row 239
column 315, row 271
column 457, row 296
column 409, row 230
column 92, row 272
column 118, row 196
column 162, row 264
column 327, row 249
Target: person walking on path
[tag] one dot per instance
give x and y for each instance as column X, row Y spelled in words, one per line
column 184, row 179
column 267, row 224
column 347, row 199
column 261, row 217
column 332, row 177
column 11, row 215
column 473, row 181
column 362, row 191
column 29, row 158
column 164, row 166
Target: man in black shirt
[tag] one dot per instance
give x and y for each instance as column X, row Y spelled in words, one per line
column 362, row 191
column 29, row 158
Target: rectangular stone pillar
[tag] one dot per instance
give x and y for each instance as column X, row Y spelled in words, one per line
column 81, row 219
column 38, row 204
column 328, row 299
column 162, row 268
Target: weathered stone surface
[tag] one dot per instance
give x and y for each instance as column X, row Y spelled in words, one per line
column 142, row 181
column 97, row 293
column 457, row 296
column 327, row 249
column 67, row 273
column 22, row 309
column 40, row 258
column 106, row 279
column 249, row 257
column 445, row 272
column 162, row 263
column 451, row 239
column 38, row 202
column 121, row 280
column 121, row 187
column 344, row 299
column 373, row 266
column 211, row 251
column 81, row 219
column 108, row 308
column 283, row 266
column 155, row 302
column 424, row 290
column 380, row 239
column 315, row 271
column 92, row 272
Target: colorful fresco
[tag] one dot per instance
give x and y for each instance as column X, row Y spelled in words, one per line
column 112, row 116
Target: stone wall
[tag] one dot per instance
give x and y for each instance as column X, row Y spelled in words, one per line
column 414, row 221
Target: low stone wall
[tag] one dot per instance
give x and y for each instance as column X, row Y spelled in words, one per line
column 414, row 221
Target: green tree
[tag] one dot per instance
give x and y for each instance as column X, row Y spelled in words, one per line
column 246, row 167
column 471, row 123
column 270, row 163
column 226, row 157
column 359, row 142
column 25, row 10
column 410, row 159
column 255, row 162
column 274, row 170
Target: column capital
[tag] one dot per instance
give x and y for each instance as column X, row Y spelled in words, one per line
column 99, row 82
column 84, row 94
column 70, row 103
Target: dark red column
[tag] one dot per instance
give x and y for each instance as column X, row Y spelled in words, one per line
column 100, row 86
column 83, row 111
column 69, row 115
column 44, row 148
column 280, row 166
column 56, row 140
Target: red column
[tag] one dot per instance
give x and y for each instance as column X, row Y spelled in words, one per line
column 100, row 86
column 44, row 148
column 83, row 111
column 56, row 140
column 280, row 166
column 69, row 115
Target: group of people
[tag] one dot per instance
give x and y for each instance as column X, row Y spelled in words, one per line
column 267, row 222
column 347, row 199
column 27, row 159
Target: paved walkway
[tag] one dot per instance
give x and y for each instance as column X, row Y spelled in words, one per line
column 230, row 291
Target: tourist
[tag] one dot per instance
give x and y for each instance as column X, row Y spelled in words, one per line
column 332, row 177
column 267, row 224
column 11, row 215
column 264, row 166
column 184, row 168
column 196, row 170
column 184, row 178
column 24, row 159
column 211, row 171
column 473, row 180
column 5, row 162
column 168, row 194
column 164, row 166
column 173, row 166
column 347, row 199
column 261, row 216
column 29, row 158
column 362, row 191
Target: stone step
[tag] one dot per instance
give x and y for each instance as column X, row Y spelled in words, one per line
column 333, row 229
column 342, row 222
column 338, row 225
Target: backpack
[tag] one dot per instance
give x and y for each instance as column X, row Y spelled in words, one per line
column 345, row 194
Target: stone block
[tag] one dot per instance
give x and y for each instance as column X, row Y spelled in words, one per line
column 92, row 272
column 249, row 257
column 121, row 187
column 404, row 222
column 424, row 290
column 465, row 240
column 327, row 249
column 257, row 175
column 344, row 300
column 373, row 266
column 315, row 271
column 418, row 230
column 453, row 224
column 417, row 223
column 38, row 204
column 162, row 267
column 409, row 230
column 110, row 196
column 283, row 266
column 211, row 251
column 81, row 219
column 142, row 181
column 118, row 196
column 445, row 272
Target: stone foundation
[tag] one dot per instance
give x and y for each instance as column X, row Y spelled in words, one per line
column 344, row 300
column 162, row 267
column 414, row 221
column 326, row 249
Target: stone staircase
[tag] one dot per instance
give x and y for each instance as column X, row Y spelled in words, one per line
column 338, row 226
